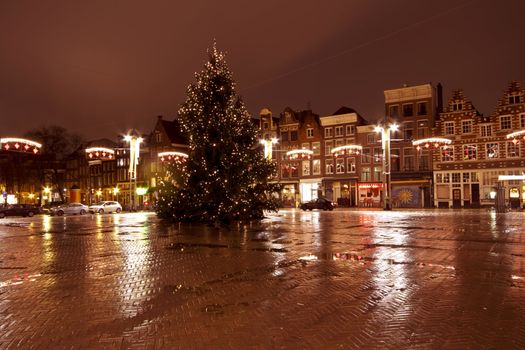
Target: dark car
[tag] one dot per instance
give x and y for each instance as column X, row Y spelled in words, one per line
column 18, row 210
column 319, row 203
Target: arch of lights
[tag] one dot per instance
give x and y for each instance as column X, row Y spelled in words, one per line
column 100, row 153
column 297, row 154
column 346, row 150
column 20, row 145
column 515, row 135
column 436, row 141
column 173, row 155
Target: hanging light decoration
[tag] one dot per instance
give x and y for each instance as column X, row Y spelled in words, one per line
column 101, row 153
column 434, row 141
column 346, row 150
column 515, row 136
column 297, row 154
column 178, row 157
column 19, row 145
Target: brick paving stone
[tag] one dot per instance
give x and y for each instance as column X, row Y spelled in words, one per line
column 346, row 279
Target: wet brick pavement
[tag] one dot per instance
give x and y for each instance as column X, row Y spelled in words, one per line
column 298, row 280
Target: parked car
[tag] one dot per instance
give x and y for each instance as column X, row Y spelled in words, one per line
column 70, row 208
column 19, row 210
column 105, row 207
column 319, row 203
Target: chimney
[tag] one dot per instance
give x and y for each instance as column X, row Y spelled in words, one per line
column 439, row 92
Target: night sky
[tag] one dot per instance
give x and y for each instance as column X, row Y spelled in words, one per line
column 99, row 68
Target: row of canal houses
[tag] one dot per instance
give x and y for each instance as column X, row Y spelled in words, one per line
column 441, row 155
column 340, row 156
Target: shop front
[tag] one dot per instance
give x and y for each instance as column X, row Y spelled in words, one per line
column 290, row 195
column 369, row 194
column 310, row 189
column 411, row 194
column 342, row 192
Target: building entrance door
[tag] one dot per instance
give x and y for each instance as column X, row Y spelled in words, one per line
column 456, row 198
column 475, row 195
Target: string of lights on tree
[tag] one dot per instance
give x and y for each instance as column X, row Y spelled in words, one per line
column 225, row 176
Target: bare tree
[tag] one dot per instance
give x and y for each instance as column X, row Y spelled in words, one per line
column 57, row 144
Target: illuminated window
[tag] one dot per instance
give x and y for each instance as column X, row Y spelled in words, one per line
column 492, row 150
column 316, row 166
column 328, row 147
column 340, row 166
column 469, row 152
column 306, row 167
column 329, row 166
column 513, row 149
column 316, row 147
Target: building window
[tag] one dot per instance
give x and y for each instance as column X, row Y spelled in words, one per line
column 310, row 132
column 377, row 173
column 316, row 147
column 449, row 128
column 265, row 126
column 513, row 149
column 365, row 156
column 306, row 167
column 338, row 131
column 422, row 129
column 470, row 152
column 466, row 177
column 329, row 166
column 328, row 132
column 328, row 147
column 447, row 154
column 394, row 111
column 365, row 174
column 457, row 106
column 408, row 159
column 316, row 166
column 350, row 129
column 378, row 154
column 339, row 142
column 408, row 110
column 305, row 145
column 408, row 131
column 522, row 120
column 284, row 136
column 158, row 137
column 513, row 99
column 371, row 138
column 485, row 130
column 350, row 165
column 466, row 127
column 293, row 135
column 492, row 150
column 456, row 178
column 395, row 160
column 505, row 122
column 422, row 108
column 340, row 166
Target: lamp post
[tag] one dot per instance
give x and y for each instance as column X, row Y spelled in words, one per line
column 385, row 144
column 268, row 146
column 134, row 153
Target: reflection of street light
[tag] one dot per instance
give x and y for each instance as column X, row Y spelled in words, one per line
column 268, row 145
column 385, row 143
column 134, row 153
column 115, row 193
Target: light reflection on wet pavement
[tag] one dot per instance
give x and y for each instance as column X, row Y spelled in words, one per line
column 343, row 279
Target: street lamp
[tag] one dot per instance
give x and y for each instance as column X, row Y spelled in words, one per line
column 134, row 154
column 268, row 145
column 385, row 143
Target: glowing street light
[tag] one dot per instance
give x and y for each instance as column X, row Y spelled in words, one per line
column 268, row 146
column 134, row 154
column 385, row 143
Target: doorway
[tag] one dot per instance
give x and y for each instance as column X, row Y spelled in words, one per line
column 456, row 198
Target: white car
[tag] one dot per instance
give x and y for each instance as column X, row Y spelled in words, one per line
column 71, row 208
column 105, row 207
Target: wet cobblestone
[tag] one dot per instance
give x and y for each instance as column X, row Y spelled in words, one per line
column 345, row 279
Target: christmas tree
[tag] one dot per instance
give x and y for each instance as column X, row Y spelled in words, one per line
column 226, row 176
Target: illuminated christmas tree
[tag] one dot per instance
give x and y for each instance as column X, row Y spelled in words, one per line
column 226, row 176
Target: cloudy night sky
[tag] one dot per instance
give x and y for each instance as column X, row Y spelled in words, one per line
column 99, row 68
